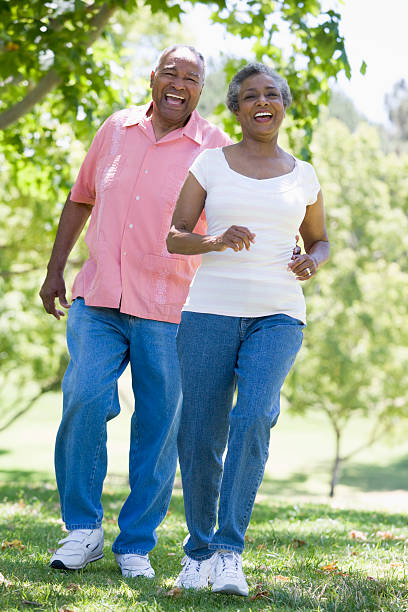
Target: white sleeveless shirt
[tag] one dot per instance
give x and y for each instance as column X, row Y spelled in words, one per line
column 257, row 282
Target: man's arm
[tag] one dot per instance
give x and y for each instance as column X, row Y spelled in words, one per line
column 72, row 221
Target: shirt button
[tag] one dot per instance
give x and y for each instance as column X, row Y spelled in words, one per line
column 124, row 252
column 146, row 171
column 130, row 225
column 137, row 197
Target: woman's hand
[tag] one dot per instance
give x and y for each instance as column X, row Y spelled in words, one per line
column 304, row 266
column 235, row 237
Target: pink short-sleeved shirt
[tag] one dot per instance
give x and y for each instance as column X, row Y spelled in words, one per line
column 133, row 182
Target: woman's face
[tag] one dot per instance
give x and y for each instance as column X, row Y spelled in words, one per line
column 261, row 110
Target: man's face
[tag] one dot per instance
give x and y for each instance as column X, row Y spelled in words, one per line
column 176, row 86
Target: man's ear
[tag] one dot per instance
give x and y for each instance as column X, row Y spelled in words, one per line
column 151, row 79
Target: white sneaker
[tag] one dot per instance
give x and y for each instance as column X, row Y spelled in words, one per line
column 132, row 565
column 195, row 574
column 227, row 575
column 79, row 548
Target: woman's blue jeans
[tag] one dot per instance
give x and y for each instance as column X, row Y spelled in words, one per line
column 218, row 353
column 101, row 342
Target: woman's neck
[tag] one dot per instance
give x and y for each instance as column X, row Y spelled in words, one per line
column 259, row 148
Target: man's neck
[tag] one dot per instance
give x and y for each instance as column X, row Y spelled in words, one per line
column 161, row 127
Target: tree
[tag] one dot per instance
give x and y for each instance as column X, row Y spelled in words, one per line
column 343, row 108
column 397, row 105
column 353, row 360
column 65, row 65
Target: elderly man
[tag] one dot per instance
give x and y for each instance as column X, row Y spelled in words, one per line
column 126, row 305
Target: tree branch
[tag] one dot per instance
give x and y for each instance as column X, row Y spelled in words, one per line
column 52, row 79
column 46, row 389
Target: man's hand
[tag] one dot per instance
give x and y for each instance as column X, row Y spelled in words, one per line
column 54, row 287
column 297, row 250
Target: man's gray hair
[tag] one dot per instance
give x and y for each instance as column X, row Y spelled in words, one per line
column 197, row 53
column 250, row 70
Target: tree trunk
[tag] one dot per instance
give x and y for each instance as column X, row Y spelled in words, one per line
column 336, row 465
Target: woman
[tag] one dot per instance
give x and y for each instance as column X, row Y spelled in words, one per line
column 242, row 323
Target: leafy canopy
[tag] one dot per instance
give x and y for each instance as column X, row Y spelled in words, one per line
column 65, row 65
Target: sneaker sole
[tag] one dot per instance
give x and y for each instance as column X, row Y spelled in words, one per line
column 130, row 574
column 59, row 565
column 230, row 588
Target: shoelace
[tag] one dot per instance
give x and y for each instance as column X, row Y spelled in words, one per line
column 230, row 563
column 191, row 568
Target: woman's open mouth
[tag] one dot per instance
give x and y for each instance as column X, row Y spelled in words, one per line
column 262, row 116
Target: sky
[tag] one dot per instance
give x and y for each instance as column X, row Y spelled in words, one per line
column 374, row 31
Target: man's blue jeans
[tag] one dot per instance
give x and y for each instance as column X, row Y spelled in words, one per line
column 218, row 353
column 101, row 342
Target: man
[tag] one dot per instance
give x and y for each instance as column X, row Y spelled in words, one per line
column 127, row 302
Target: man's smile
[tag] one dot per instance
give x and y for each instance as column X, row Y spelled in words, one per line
column 174, row 99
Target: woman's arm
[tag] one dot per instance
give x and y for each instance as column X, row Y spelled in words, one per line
column 314, row 234
column 181, row 238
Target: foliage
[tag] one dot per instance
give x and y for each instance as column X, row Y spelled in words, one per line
column 312, row 557
column 315, row 56
column 37, row 158
column 355, row 347
column 65, row 65
column 397, row 105
column 343, row 108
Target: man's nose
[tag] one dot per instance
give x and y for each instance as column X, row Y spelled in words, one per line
column 177, row 83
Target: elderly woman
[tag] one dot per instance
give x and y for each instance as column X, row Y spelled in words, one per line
column 242, row 324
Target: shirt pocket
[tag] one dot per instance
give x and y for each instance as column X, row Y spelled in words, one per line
column 108, row 172
column 167, row 279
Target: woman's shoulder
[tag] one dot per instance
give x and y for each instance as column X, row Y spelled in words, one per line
column 213, row 153
column 306, row 169
column 208, row 156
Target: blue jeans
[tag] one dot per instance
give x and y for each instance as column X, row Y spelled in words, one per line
column 218, row 353
column 101, row 342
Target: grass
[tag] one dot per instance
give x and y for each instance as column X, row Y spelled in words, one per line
column 298, row 557
column 303, row 552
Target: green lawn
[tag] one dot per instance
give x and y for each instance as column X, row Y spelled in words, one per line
column 303, row 551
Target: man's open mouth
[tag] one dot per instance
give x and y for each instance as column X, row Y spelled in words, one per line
column 174, row 99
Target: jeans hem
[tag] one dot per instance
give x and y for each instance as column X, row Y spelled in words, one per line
column 218, row 547
column 202, row 557
column 74, row 526
column 129, row 551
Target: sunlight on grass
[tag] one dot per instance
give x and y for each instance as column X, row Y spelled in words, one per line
column 302, row 551
column 298, row 557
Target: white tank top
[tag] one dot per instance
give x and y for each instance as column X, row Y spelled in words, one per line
column 257, row 282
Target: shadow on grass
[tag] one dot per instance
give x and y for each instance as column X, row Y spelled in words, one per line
column 371, row 477
column 272, row 548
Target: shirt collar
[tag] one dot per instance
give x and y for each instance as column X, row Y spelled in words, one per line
column 193, row 130
column 137, row 114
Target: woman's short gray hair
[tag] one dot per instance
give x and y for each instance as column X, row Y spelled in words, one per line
column 250, row 70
